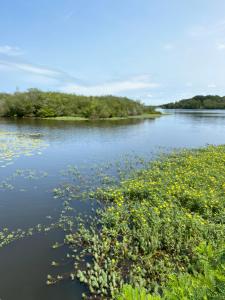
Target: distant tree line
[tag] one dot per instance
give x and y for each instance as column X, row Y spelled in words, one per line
column 36, row 103
column 198, row 102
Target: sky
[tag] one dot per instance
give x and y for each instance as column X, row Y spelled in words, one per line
column 155, row 51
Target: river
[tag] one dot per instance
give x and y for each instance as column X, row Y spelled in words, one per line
column 33, row 154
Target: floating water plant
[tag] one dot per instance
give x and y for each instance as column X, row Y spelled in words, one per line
column 152, row 224
column 14, row 145
column 160, row 220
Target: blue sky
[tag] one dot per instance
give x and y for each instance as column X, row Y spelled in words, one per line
column 151, row 50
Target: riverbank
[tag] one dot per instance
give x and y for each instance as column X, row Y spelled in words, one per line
column 143, row 116
column 161, row 230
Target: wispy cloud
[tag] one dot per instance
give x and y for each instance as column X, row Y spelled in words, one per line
column 109, row 88
column 10, row 51
column 29, row 68
column 149, row 96
column 69, row 84
column 32, row 69
column 221, row 46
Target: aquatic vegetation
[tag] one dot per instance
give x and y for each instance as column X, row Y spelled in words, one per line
column 8, row 236
column 129, row 293
column 152, row 223
column 5, row 185
column 14, row 145
column 206, row 281
column 155, row 230
column 30, row 174
column 8, row 183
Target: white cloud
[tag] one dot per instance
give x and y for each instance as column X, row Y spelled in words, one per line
column 39, row 71
column 110, row 88
column 212, row 85
column 221, row 46
column 35, row 70
column 10, row 51
column 29, row 68
column 68, row 84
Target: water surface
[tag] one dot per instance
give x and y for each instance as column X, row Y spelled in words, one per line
column 24, row 264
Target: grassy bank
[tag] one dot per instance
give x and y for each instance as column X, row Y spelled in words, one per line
column 142, row 116
column 161, row 232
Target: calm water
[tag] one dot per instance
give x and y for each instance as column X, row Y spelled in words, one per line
column 25, row 263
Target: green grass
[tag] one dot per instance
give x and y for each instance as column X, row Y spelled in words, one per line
column 70, row 118
column 162, row 231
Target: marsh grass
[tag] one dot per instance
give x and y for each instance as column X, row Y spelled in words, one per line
column 26, row 174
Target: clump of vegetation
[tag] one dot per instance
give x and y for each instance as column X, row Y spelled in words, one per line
column 35, row 103
column 198, row 102
column 167, row 219
column 14, row 145
column 206, row 281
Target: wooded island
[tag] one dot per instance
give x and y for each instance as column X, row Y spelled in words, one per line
column 38, row 104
